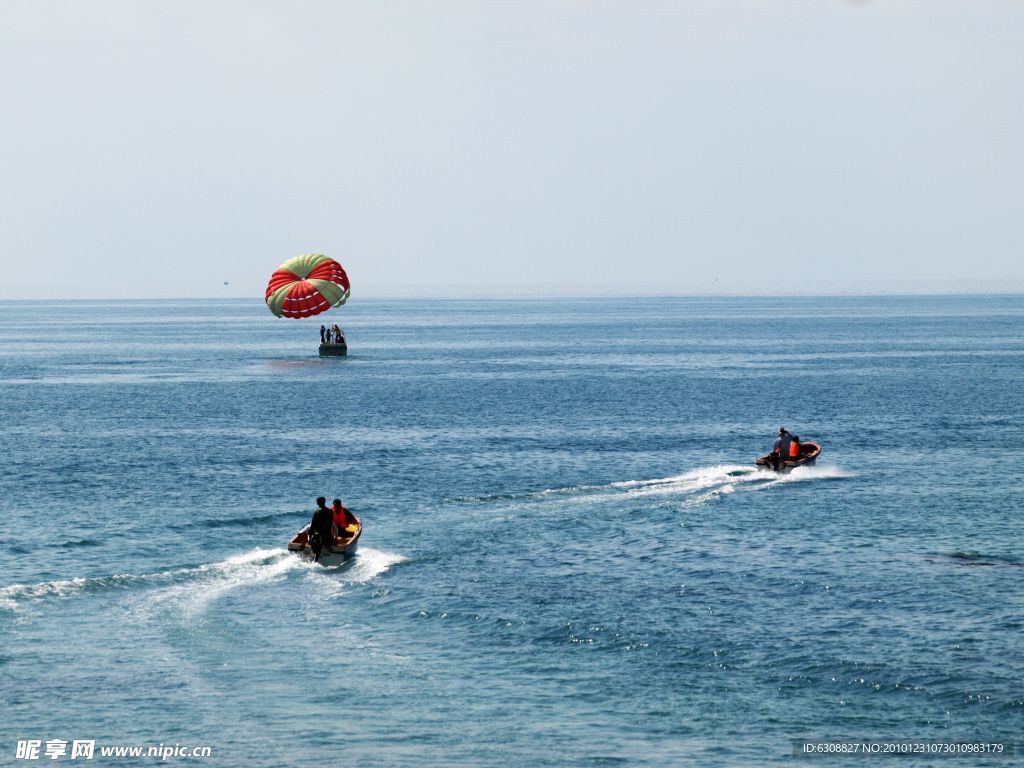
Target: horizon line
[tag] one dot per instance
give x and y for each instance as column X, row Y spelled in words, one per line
column 469, row 296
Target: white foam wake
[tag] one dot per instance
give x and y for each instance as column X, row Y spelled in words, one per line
column 366, row 566
column 252, row 562
column 698, row 486
column 692, row 488
column 809, row 473
column 11, row 595
column 212, row 581
column 196, row 586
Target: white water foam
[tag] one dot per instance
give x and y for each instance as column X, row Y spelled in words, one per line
column 698, row 486
column 10, row 596
column 809, row 473
column 367, row 565
column 196, row 586
column 214, row 580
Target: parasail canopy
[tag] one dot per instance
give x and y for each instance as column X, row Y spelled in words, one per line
column 307, row 285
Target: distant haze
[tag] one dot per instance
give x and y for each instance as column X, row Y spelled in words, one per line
column 566, row 146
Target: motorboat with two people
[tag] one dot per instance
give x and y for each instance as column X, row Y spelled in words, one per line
column 331, row 537
column 788, row 453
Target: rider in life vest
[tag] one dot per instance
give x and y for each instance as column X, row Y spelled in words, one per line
column 342, row 518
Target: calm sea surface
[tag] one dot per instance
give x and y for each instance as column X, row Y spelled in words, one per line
column 568, row 557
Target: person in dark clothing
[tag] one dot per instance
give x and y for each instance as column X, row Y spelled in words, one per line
column 323, row 333
column 781, row 449
column 320, row 534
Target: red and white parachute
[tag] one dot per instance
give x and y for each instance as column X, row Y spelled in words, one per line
column 307, row 285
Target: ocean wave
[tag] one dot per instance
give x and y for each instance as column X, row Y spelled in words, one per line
column 237, row 521
column 980, row 559
column 79, row 543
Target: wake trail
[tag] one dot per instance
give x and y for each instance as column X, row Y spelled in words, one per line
column 366, row 566
column 200, row 584
column 691, row 488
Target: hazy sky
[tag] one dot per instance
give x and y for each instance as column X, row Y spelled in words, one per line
column 432, row 146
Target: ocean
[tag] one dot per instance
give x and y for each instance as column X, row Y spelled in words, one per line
column 569, row 558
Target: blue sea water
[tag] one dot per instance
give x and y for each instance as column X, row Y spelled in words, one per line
column 568, row 556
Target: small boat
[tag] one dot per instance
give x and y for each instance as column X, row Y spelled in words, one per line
column 333, row 349
column 808, row 453
column 337, row 553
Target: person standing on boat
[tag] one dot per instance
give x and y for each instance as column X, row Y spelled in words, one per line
column 780, row 452
column 320, row 534
column 323, row 333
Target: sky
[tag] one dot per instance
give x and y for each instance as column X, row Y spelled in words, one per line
column 450, row 147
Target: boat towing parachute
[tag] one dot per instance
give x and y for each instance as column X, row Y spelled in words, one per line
column 307, row 285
